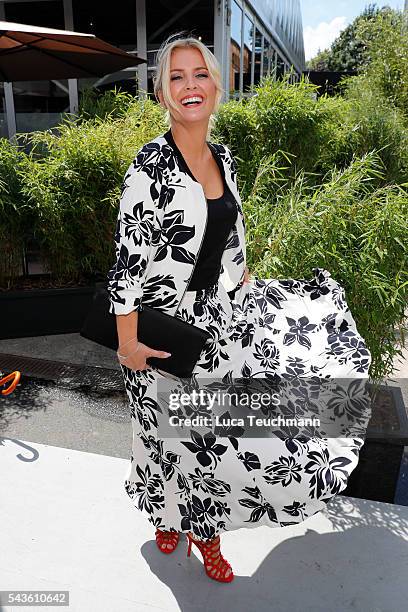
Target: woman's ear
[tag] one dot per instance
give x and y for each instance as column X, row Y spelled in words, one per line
column 160, row 98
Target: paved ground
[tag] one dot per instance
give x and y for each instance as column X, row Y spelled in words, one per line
column 67, row 348
column 67, row 525
column 67, row 522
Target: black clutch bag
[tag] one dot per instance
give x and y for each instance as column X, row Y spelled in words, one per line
column 156, row 329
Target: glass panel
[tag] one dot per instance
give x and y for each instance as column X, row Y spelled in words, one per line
column 199, row 19
column 40, row 104
column 284, row 17
column 3, row 118
column 117, row 27
column 273, row 62
column 235, row 47
column 248, row 39
column 280, row 70
column 31, row 122
column 258, row 49
column 266, row 54
column 115, row 24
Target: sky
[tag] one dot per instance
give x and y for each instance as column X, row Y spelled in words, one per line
column 323, row 20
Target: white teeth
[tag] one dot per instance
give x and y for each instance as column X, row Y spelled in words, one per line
column 193, row 99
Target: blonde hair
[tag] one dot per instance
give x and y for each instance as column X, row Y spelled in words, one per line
column 161, row 79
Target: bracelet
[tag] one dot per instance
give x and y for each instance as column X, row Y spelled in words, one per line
column 124, row 357
column 125, row 343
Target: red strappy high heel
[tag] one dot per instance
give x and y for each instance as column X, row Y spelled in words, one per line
column 167, row 540
column 216, row 567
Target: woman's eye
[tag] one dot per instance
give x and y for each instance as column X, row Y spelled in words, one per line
column 179, row 77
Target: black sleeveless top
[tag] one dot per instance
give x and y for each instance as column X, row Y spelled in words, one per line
column 221, row 216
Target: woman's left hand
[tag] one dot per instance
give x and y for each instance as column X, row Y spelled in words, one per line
column 247, row 277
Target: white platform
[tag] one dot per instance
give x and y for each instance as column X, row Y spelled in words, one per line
column 67, row 524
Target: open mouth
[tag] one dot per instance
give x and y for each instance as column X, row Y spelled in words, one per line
column 192, row 101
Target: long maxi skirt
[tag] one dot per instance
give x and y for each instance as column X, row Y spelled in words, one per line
column 203, row 483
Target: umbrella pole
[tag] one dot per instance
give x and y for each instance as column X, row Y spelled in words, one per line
column 10, row 110
column 72, row 83
column 73, row 95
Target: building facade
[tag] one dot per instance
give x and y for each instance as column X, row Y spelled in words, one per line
column 250, row 38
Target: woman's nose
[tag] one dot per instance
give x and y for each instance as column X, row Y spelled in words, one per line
column 190, row 82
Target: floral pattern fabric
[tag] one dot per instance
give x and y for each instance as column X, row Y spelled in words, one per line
column 160, row 228
column 207, row 483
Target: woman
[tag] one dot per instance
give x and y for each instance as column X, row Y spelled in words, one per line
column 180, row 244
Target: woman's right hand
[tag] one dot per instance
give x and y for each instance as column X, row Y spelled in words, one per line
column 137, row 353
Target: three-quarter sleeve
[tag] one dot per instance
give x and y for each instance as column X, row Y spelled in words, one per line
column 133, row 243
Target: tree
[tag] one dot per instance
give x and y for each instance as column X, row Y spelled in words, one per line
column 387, row 41
column 319, row 61
column 350, row 51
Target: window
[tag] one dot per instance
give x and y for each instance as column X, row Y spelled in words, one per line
column 266, row 56
column 3, row 120
column 280, row 70
column 248, row 43
column 273, row 61
column 258, row 55
column 235, row 46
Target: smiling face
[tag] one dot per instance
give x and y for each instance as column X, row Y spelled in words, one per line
column 191, row 85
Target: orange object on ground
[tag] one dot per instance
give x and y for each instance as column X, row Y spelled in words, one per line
column 15, row 377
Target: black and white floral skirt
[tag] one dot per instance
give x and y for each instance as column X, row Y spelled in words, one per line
column 209, row 480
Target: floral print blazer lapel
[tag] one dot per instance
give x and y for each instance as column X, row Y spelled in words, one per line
column 160, row 228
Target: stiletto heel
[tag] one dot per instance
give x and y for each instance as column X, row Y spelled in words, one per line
column 216, row 567
column 167, row 540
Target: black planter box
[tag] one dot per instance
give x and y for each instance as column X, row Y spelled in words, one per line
column 379, row 475
column 41, row 312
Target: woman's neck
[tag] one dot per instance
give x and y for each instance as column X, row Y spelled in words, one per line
column 191, row 141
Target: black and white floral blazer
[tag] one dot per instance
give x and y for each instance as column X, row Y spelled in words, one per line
column 160, row 227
